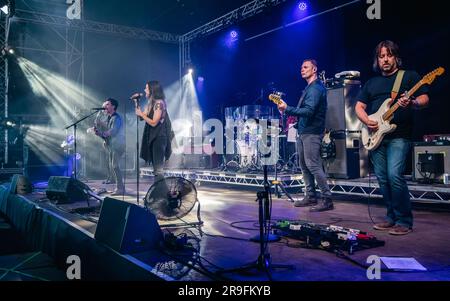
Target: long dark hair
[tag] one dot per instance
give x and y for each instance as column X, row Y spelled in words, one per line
column 156, row 90
column 392, row 49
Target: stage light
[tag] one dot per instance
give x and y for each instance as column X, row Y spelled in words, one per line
column 8, row 50
column 201, row 79
column 231, row 39
column 10, row 123
column 7, row 7
column 302, row 6
column 190, row 71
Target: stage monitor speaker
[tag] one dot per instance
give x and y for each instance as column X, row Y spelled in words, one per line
column 127, row 228
column 20, row 185
column 431, row 161
column 66, row 190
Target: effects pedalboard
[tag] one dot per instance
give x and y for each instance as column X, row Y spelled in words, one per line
column 327, row 237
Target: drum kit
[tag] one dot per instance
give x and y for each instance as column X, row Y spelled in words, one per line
column 243, row 130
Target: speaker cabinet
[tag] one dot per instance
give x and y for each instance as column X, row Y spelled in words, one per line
column 346, row 164
column 66, row 190
column 431, row 161
column 127, row 228
column 351, row 158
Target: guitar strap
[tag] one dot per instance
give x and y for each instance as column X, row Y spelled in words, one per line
column 397, row 84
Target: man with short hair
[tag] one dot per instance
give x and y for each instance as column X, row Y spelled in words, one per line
column 311, row 111
column 115, row 143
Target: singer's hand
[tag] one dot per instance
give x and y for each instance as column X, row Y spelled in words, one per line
column 139, row 112
column 135, row 96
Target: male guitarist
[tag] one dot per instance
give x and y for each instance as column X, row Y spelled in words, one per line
column 389, row 158
column 114, row 137
column 101, row 125
column 311, row 111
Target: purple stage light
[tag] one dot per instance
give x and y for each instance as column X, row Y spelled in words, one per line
column 234, row 34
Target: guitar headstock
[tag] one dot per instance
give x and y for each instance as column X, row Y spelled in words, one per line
column 430, row 77
column 276, row 97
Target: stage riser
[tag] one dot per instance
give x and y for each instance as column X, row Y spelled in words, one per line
column 356, row 187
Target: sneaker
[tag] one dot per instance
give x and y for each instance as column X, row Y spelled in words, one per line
column 324, row 205
column 383, row 226
column 400, row 230
column 306, row 201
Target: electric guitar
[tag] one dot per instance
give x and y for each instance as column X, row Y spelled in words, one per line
column 372, row 139
column 100, row 124
column 276, row 97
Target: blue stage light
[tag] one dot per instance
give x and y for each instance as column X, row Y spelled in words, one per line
column 302, row 6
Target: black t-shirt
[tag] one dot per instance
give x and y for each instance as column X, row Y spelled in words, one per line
column 379, row 88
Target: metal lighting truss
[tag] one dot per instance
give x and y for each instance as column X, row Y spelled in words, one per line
column 246, row 11
column 356, row 187
column 96, row 27
column 4, row 79
column 233, row 178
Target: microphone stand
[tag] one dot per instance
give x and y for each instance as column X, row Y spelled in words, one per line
column 264, row 261
column 74, row 125
column 136, row 105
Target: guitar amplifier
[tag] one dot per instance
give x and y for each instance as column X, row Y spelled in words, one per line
column 431, row 161
column 351, row 158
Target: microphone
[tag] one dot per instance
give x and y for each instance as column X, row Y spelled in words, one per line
column 97, row 109
column 136, row 96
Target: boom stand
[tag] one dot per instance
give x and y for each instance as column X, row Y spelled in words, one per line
column 264, row 261
column 74, row 125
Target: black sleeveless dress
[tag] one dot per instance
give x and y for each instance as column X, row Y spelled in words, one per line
column 163, row 129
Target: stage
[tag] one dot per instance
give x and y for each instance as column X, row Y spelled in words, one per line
column 230, row 218
column 221, row 72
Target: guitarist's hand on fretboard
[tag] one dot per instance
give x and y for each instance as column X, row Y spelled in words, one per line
column 404, row 101
column 282, row 106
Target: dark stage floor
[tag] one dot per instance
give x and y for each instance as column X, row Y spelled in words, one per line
column 233, row 212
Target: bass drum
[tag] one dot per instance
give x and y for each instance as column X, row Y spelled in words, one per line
column 247, row 153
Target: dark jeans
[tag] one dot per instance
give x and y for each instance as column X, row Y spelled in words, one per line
column 158, row 147
column 308, row 148
column 389, row 161
column 115, row 155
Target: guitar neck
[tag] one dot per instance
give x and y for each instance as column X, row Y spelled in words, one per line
column 394, row 108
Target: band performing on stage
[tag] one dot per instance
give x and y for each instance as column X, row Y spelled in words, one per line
column 187, row 142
